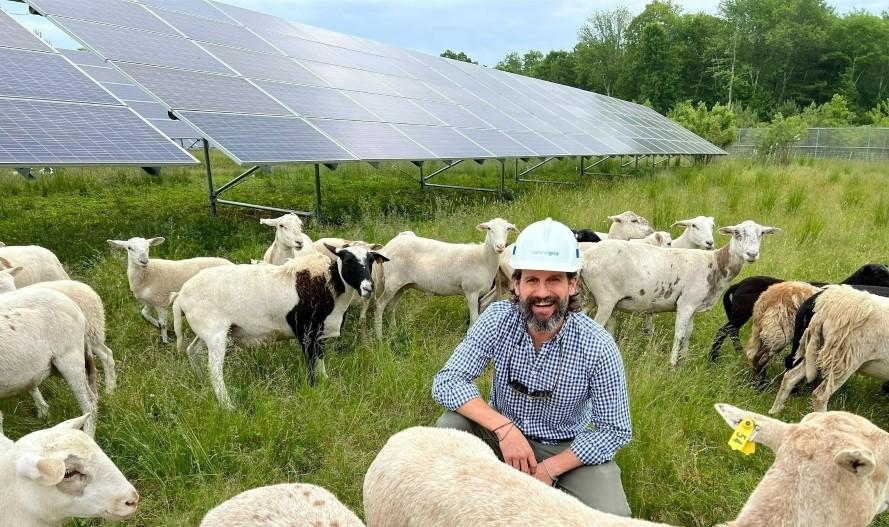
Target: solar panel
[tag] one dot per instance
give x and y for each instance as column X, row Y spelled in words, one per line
column 394, row 109
column 451, row 114
column 537, row 143
column 372, row 141
column 350, row 78
column 174, row 129
column 15, row 36
column 115, row 12
column 311, row 101
column 38, row 75
column 496, row 142
column 215, row 32
column 84, row 58
column 261, row 66
column 445, row 143
column 102, row 74
column 191, row 7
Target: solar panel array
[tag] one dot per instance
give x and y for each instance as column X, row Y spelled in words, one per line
column 53, row 114
column 243, row 78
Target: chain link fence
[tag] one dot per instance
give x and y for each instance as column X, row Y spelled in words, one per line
column 855, row 143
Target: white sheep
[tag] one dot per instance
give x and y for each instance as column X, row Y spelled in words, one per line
column 627, row 226
column 38, row 264
column 657, row 238
column 57, row 473
column 42, row 331
column 848, row 334
column 831, row 470
column 441, row 268
column 290, row 240
column 153, row 280
column 306, row 297
column 296, row 504
column 698, row 233
column 645, row 279
column 774, row 318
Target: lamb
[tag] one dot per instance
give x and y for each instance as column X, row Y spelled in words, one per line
column 57, row 473
column 698, row 233
column 290, row 240
column 153, row 280
column 849, row 333
column 626, row 226
column 321, row 246
column 586, row 236
column 441, row 268
column 739, row 299
column 42, row 331
column 38, row 264
column 831, row 470
column 657, row 238
column 774, row 315
column 282, row 505
column 306, row 297
column 645, row 279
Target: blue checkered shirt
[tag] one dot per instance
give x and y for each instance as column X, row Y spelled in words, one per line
column 589, row 404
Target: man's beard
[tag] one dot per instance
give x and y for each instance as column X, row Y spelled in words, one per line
column 535, row 324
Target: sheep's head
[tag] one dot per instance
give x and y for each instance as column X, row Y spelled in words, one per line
column 870, row 274
column 7, row 275
column 660, row 239
column 848, row 454
column 497, row 233
column 746, row 238
column 628, row 226
column 62, row 473
column 137, row 248
column 355, row 266
column 288, row 230
column 699, row 231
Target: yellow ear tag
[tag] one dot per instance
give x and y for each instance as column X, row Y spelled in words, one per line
column 742, row 438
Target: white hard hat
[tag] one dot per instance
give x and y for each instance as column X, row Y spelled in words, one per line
column 546, row 246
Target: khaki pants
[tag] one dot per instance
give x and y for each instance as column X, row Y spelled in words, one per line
column 597, row 486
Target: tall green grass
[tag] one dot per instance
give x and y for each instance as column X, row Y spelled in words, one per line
column 185, row 455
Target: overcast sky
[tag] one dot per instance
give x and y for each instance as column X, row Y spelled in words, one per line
column 485, row 30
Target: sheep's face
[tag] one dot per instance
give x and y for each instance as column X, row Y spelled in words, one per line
column 355, row 266
column 870, row 274
column 497, row 233
column 288, row 230
column 137, row 249
column 629, row 226
column 746, row 239
column 661, row 239
column 63, row 471
column 699, row 231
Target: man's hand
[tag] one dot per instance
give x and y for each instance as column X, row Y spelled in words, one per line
column 517, row 451
column 543, row 474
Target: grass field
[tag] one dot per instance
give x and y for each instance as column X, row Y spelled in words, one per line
column 184, row 454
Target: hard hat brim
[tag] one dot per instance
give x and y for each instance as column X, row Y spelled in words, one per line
column 543, row 265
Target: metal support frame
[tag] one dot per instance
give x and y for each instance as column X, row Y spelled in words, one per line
column 214, row 193
column 424, row 180
column 520, row 179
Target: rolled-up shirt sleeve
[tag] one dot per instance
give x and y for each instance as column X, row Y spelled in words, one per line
column 454, row 385
column 612, row 428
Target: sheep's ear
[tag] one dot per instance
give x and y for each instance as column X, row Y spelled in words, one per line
column 727, row 230
column 769, row 230
column 681, row 223
column 658, row 237
column 511, row 227
column 271, row 222
column 5, row 263
column 858, row 461
column 711, row 218
column 15, row 270
column 376, row 247
column 72, row 424
column 331, row 248
column 616, row 219
column 156, row 241
column 769, row 432
column 483, row 227
column 44, row 470
column 378, row 258
column 118, row 244
column 2, row 244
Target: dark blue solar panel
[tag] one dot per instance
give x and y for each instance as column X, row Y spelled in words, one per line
column 38, row 75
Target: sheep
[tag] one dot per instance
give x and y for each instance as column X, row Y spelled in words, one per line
column 282, row 505
column 441, row 268
column 39, row 264
column 42, row 331
column 849, row 333
column 57, row 473
column 290, row 240
column 153, row 280
column 830, row 470
column 586, row 235
column 645, row 279
column 774, row 315
column 306, row 297
column 739, row 299
column 321, row 246
column 657, row 238
column 626, row 226
column 698, row 233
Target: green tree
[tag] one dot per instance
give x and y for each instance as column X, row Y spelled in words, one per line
column 780, row 137
column 859, row 58
column 556, row 66
column 658, row 76
column 601, row 50
column 834, row 113
column 716, row 125
column 530, row 61
column 879, row 115
column 461, row 56
column 511, row 63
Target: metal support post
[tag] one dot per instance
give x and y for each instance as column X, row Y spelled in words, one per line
column 209, row 178
column 516, row 174
column 318, row 194
column 502, row 178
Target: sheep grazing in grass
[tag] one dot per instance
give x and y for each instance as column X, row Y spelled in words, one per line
column 306, row 298
column 441, row 268
column 830, row 470
column 774, row 315
column 41, row 332
column 153, row 280
column 57, row 473
column 848, row 334
column 738, row 300
column 38, row 264
column 296, row 504
column 645, row 279
column 698, row 233
column 290, row 240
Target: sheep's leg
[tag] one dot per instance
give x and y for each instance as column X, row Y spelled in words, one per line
column 365, row 305
column 389, row 295
column 603, row 315
column 146, row 314
column 680, row 342
column 821, row 394
column 488, row 299
column 194, row 355
column 735, row 334
column 162, row 313
column 648, row 327
column 106, row 356
column 720, row 336
column 71, row 367
column 689, row 328
column 215, row 359
column 40, row 403
column 788, row 383
column 472, row 301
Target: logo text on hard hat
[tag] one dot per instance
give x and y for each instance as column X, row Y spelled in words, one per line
column 545, row 253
